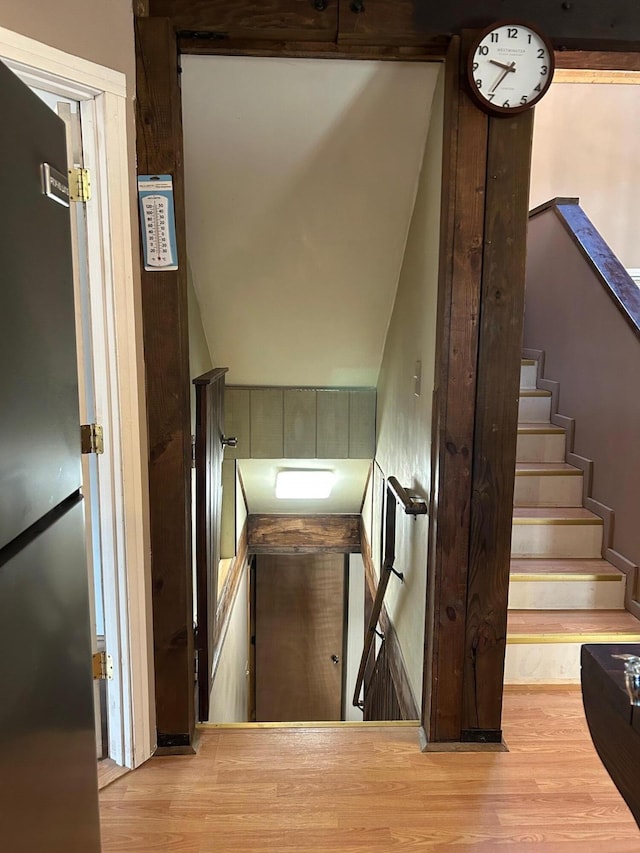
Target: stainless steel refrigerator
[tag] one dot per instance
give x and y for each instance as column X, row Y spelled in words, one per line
column 48, row 778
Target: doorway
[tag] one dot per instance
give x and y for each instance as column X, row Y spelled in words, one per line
column 101, row 97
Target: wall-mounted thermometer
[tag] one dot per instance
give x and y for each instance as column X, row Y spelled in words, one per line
column 155, row 193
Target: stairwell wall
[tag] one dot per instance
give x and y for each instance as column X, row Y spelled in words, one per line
column 404, row 419
column 595, row 356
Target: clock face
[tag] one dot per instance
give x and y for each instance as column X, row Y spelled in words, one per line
column 510, row 68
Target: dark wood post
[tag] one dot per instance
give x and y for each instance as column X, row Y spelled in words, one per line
column 166, row 347
column 481, row 294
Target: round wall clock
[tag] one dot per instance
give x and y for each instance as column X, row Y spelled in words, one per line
column 510, row 67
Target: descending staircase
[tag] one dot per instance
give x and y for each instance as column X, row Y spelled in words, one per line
column 562, row 593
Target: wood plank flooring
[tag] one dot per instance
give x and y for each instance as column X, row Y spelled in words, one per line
column 370, row 790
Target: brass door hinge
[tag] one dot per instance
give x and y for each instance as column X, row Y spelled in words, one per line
column 102, row 666
column 79, row 184
column 91, row 438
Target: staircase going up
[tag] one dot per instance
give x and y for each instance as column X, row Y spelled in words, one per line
column 562, row 593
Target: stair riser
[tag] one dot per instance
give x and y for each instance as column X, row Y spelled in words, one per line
column 528, row 375
column 548, row 490
column 535, row 410
column 566, row 595
column 547, row 663
column 540, row 447
column 556, row 540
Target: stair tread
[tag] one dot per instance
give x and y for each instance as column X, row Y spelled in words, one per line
column 534, row 392
column 574, row 568
column 540, row 514
column 541, row 427
column 524, row 468
column 571, row 622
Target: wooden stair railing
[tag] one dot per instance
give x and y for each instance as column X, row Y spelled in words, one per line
column 412, row 505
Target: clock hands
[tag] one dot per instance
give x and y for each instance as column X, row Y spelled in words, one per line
column 507, row 69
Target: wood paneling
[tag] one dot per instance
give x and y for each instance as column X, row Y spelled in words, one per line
column 393, row 663
column 228, row 519
column 209, row 432
column 166, row 346
column 332, row 425
column 267, row 420
column 237, row 421
column 362, row 424
column 299, row 631
column 494, row 451
column 299, row 423
column 269, row 19
column 461, row 248
column 381, row 698
column 366, row 789
column 282, row 534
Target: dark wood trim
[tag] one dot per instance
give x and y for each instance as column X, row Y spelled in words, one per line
column 461, row 252
column 303, row 534
column 227, row 598
column 209, row 389
column 612, row 275
column 597, row 60
column 494, row 450
column 395, row 659
column 166, row 346
column 199, row 46
column 288, row 20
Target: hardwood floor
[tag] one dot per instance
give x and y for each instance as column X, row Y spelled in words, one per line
column 370, row 789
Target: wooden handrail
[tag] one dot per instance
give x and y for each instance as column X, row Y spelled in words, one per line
column 412, row 505
column 616, row 281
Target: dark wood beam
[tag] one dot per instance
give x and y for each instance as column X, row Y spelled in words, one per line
column 386, row 22
column 202, row 46
column 496, row 422
column 597, row 60
column 253, row 19
column 461, row 248
column 166, row 347
column 299, row 534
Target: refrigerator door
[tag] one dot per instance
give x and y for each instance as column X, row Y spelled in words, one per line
column 39, row 426
column 48, row 771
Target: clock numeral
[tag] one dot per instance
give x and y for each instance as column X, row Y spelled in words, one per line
column 479, row 84
column 537, row 88
column 512, row 32
column 475, row 66
column 495, row 36
column 529, row 37
column 524, row 99
column 540, row 53
column 483, row 50
column 506, row 104
column 544, row 70
column 491, row 95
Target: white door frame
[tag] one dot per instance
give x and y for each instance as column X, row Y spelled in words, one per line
column 119, row 383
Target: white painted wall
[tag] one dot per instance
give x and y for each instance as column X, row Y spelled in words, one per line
column 300, row 179
column 230, row 690
column 404, row 420
column 355, row 634
column 585, row 145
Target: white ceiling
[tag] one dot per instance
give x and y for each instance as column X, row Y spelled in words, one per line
column 300, row 183
column 259, row 482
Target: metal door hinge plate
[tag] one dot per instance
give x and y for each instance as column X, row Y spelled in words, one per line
column 102, row 666
column 79, row 184
column 91, row 438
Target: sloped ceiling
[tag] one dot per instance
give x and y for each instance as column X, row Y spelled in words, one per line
column 300, row 183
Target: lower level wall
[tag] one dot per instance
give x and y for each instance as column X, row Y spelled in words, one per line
column 230, row 691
